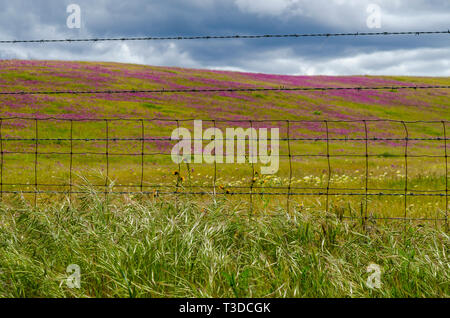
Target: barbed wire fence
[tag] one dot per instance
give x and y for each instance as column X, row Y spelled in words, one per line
column 218, row 90
column 288, row 191
column 228, row 37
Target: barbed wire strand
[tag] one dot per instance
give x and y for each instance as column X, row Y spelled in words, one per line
column 224, row 120
column 218, row 90
column 236, row 36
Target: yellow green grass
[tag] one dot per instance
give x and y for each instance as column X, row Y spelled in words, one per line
column 128, row 247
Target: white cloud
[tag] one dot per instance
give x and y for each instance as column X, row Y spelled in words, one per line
column 265, row 7
column 352, row 14
column 416, row 62
column 164, row 54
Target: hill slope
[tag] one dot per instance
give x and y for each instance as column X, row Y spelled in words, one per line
column 54, row 75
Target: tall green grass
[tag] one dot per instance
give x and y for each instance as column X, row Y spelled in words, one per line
column 130, row 247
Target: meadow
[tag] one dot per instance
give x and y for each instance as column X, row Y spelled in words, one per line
column 222, row 242
column 180, row 249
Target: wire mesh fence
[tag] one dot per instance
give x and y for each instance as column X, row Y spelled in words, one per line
column 373, row 165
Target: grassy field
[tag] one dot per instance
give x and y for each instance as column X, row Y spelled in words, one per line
column 127, row 169
column 160, row 245
column 133, row 248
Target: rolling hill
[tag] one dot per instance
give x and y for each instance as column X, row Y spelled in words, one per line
column 330, row 105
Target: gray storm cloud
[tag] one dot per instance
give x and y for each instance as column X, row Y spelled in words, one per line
column 406, row 55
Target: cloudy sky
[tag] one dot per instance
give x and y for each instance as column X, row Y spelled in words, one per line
column 405, row 55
